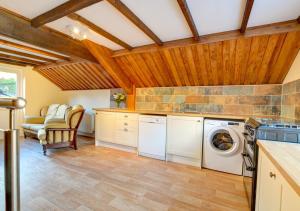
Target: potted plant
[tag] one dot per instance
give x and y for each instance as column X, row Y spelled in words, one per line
column 119, row 98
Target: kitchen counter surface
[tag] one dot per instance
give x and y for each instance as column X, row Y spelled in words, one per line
column 286, row 157
column 193, row 114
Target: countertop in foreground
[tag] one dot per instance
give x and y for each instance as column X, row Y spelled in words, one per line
column 286, row 157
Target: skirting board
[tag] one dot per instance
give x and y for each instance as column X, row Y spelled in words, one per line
column 115, row 146
column 152, row 156
column 184, row 160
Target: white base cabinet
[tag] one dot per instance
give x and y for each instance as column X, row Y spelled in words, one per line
column 105, row 126
column 184, row 139
column 117, row 128
column 273, row 191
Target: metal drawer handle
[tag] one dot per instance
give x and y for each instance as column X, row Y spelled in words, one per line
column 125, row 123
column 125, row 116
column 272, row 175
column 125, row 129
column 248, row 163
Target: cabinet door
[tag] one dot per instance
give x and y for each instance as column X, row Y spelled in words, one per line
column 127, row 137
column 290, row 200
column 105, row 126
column 184, row 136
column 269, row 196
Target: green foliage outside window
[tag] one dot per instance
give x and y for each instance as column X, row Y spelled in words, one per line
column 8, row 85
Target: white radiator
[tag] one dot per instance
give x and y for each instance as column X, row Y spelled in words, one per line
column 87, row 125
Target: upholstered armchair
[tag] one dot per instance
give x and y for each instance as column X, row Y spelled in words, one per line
column 32, row 124
column 56, row 126
column 59, row 132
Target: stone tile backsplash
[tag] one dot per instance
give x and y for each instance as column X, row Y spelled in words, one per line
column 291, row 100
column 257, row 100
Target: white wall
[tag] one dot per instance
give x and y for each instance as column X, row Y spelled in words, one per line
column 89, row 99
column 40, row 92
column 294, row 72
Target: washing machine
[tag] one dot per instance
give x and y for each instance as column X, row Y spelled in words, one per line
column 222, row 145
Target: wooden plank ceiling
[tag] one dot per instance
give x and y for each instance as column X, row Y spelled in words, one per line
column 77, row 76
column 247, row 60
column 254, row 60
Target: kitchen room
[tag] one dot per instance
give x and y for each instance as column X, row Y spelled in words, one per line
column 150, row 105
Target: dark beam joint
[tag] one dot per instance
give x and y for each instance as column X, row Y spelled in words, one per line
column 61, row 11
column 18, row 28
column 246, row 16
column 188, row 17
column 99, row 30
column 134, row 19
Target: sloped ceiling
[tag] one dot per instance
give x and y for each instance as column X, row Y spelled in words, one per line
column 254, row 60
column 78, row 76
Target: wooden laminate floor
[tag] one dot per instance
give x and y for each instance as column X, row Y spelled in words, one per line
column 96, row 178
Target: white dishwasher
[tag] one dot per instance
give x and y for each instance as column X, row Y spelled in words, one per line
column 152, row 136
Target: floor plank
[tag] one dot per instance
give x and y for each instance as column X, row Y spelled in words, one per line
column 97, row 178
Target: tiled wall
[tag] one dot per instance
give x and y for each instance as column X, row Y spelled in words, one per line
column 291, row 100
column 259, row 100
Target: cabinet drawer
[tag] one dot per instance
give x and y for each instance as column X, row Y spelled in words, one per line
column 126, row 137
column 126, row 123
column 130, row 116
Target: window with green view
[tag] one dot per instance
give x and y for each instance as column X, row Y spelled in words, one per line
column 8, row 84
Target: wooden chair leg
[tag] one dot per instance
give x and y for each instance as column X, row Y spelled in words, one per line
column 75, row 143
column 45, row 150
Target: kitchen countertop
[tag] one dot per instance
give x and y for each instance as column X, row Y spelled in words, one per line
column 286, row 157
column 193, row 114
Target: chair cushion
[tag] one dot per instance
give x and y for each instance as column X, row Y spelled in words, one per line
column 37, row 127
column 51, row 111
column 33, row 127
column 26, row 126
column 61, row 111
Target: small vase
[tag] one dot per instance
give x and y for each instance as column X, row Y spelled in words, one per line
column 118, row 104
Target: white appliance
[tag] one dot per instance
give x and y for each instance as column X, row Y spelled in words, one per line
column 152, row 136
column 222, row 145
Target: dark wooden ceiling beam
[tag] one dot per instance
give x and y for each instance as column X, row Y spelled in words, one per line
column 12, row 62
column 104, row 58
column 119, row 5
column 19, row 53
column 61, row 11
column 31, row 49
column 99, row 30
column 275, row 28
column 20, row 59
column 247, row 12
column 188, row 17
column 15, row 27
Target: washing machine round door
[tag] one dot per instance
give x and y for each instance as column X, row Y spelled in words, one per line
column 224, row 141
